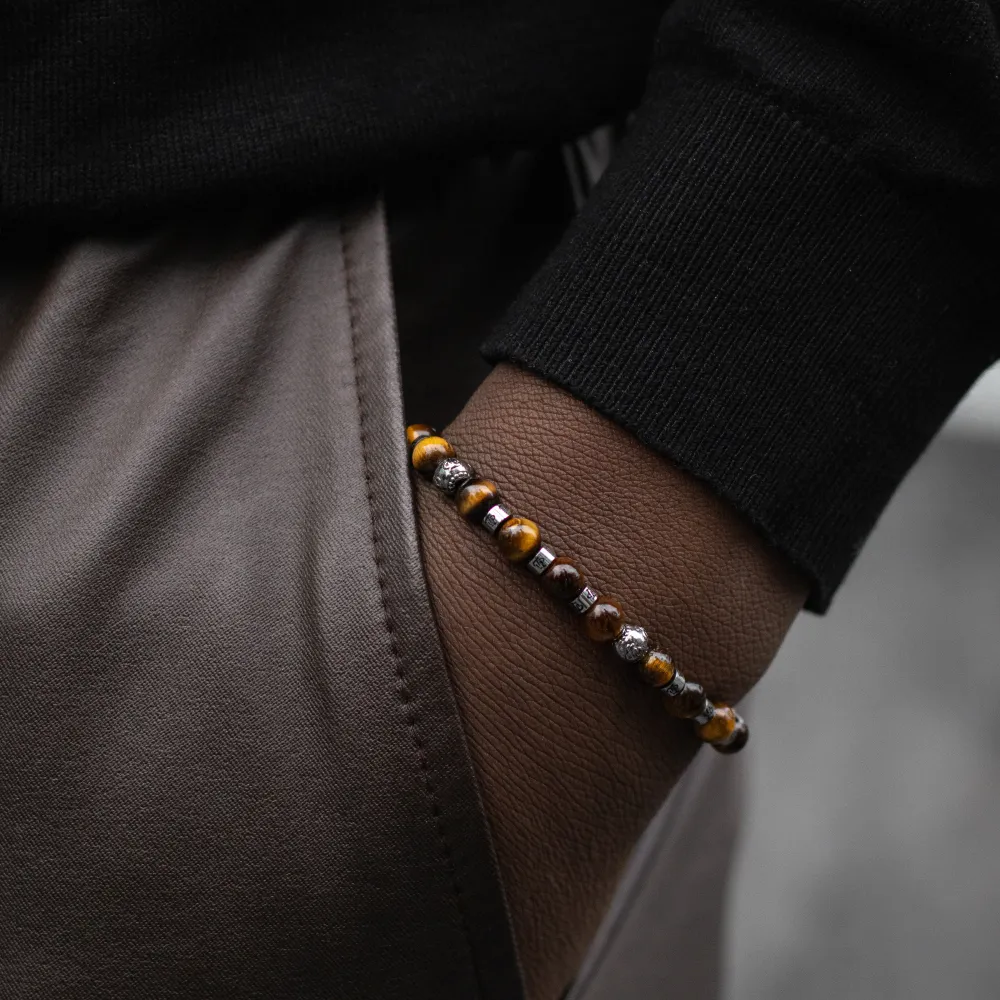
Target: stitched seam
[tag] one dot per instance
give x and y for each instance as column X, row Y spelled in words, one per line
column 406, row 699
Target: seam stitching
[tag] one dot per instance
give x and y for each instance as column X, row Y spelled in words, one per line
column 406, row 699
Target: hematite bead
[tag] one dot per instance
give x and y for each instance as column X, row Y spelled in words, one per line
column 417, row 431
column 657, row 669
column 604, row 621
column 688, row 703
column 541, row 560
column 519, row 539
column 496, row 516
column 632, row 644
column 429, row 452
column 584, row 601
column 451, row 474
column 674, row 687
column 475, row 498
column 720, row 727
column 737, row 740
column 563, row 579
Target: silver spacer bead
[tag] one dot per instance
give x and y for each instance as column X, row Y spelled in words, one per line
column 706, row 715
column 452, row 473
column 584, row 601
column 632, row 643
column 541, row 561
column 676, row 685
column 496, row 516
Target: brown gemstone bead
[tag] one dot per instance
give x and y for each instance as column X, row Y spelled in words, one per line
column 604, row 620
column 429, row 452
column 657, row 669
column 519, row 539
column 475, row 499
column 737, row 741
column 563, row 579
column 720, row 726
column 417, row 431
column 688, row 703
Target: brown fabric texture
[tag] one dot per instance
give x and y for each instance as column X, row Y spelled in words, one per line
column 230, row 759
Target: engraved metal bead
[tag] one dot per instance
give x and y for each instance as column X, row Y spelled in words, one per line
column 676, row 685
column 707, row 714
column 584, row 601
column 451, row 474
column 496, row 516
column 633, row 643
column 541, row 561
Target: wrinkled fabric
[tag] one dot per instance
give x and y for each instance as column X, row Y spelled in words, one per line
column 230, row 760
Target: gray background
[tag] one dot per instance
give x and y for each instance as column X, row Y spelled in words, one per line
column 869, row 865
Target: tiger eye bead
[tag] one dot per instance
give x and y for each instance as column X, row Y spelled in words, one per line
column 720, row 727
column 519, row 539
column 429, row 452
column 737, row 740
column 563, row 579
column 475, row 499
column 688, row 703
column 657, row 669
column 417, row 431
column 604, row 620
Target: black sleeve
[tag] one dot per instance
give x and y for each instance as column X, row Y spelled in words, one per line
column 786, row 279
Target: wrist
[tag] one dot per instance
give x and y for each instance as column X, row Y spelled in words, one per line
column 571, row 749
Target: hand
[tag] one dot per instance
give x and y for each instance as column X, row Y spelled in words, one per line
column 574, row 754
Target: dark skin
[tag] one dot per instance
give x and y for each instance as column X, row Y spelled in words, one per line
column 573, row 753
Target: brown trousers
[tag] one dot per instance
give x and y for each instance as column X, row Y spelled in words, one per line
column 231, row 764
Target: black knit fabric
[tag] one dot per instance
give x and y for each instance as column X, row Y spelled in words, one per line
column 785, row 281
column 773, row 317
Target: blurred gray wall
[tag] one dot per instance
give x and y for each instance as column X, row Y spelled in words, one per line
column 870, row 861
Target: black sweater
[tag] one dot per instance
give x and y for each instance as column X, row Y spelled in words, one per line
column 785, row 282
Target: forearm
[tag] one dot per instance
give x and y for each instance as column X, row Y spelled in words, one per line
column 573, row 753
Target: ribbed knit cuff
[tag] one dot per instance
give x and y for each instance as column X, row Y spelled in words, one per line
column 752, row 304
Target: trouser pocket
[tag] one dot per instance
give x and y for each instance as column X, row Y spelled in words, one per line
column 229, row 759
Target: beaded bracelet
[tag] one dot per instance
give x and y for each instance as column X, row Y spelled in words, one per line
column 520, row 540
